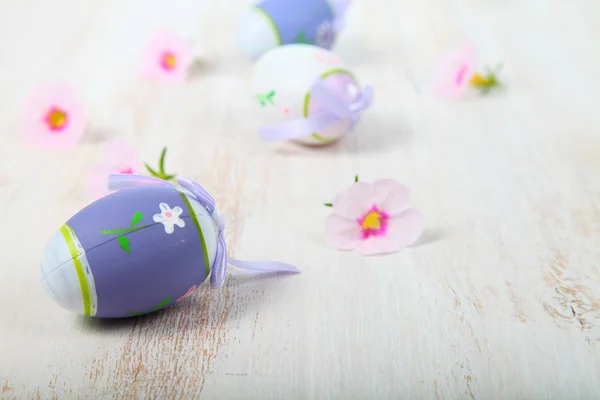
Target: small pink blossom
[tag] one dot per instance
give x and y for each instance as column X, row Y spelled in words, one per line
column 53, row 118
column 118, row 158
column 374, row 218
column 455, row 71
column 187, row 294
column 167, row 58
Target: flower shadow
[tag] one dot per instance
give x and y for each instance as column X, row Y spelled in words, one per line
column 200, row 68
column 430, row 235
column 96, row 136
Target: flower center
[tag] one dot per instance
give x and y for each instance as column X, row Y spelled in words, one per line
column 56, row 119
column 168, row 214
column 460, row 75
column 168, row 61
column 478, row 80
column 127, row 170
column 373, row 223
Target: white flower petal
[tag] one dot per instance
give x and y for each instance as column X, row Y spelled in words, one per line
column 177, row 211
column 169, row 227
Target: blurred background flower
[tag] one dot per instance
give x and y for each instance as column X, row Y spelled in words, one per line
column 53, row 118
column 119, row 158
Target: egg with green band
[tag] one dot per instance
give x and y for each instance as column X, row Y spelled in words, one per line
column 284, row 86
column 132, row 252
column 272, row 23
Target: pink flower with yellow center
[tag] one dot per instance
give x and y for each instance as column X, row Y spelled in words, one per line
column 53, row 118
column 457, row 72
column 167, row 58
column 118, row 157
column 454, row 72
column 374, row 218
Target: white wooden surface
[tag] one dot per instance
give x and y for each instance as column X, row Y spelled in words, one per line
column 501, row 298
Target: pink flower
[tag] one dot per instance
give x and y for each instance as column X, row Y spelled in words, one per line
column 188, row 293
column 118, row 158
column 167, row 58
column 455, row 71
column 53, row 118
column 374, row 218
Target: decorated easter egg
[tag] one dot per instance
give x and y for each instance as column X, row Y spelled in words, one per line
column 272, row 23
column 307, row 94
column 139, row 249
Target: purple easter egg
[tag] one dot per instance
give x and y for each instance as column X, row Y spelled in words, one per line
column 272, row 23
column 132, row 252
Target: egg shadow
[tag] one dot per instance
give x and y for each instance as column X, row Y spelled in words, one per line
column 198, row 312
column 379, row 134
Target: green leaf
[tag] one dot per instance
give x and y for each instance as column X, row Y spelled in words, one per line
column 152, row 172
column 137, row 218
column 124, row 243
column 161, row 165
column 169, row 177
column 160, row 305
column 163, row 303
column 328, row 205
column 136, row 314
column 355, row 178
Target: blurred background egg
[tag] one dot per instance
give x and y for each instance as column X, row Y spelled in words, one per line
column 282, row 81
column 272, row 23
column 132, row 252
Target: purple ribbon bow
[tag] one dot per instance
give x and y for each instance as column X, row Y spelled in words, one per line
column 340, row 7
column 219, row 267
column 335, row 110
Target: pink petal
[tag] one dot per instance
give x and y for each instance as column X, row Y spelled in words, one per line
column 354, row 201
column 377, row 245
column 342, row 233
column 391, row 197
column 445, row 77
column 160, row 42
column 118, row 154
column 406, row 228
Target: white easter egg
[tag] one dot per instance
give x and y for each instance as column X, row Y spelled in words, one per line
column 282, row 82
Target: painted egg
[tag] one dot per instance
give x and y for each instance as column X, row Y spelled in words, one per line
column 272, row 23
column 284, row 86
column 132, row 252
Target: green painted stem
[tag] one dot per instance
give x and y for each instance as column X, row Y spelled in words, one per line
column 124, row 230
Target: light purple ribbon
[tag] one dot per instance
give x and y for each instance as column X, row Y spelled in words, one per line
column 340, row 7
column 219, row 267
column 335, row 110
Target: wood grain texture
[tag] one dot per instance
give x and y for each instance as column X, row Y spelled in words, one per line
column 500, row 299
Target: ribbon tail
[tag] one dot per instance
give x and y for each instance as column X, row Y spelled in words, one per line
column 366, row 97
column 340, row 7
column 123, row 181
column 199, row 192
column 264, row 266
column 296, row 129
column 219, row 270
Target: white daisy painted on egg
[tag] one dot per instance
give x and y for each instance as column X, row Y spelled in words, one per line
column 169, row 217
